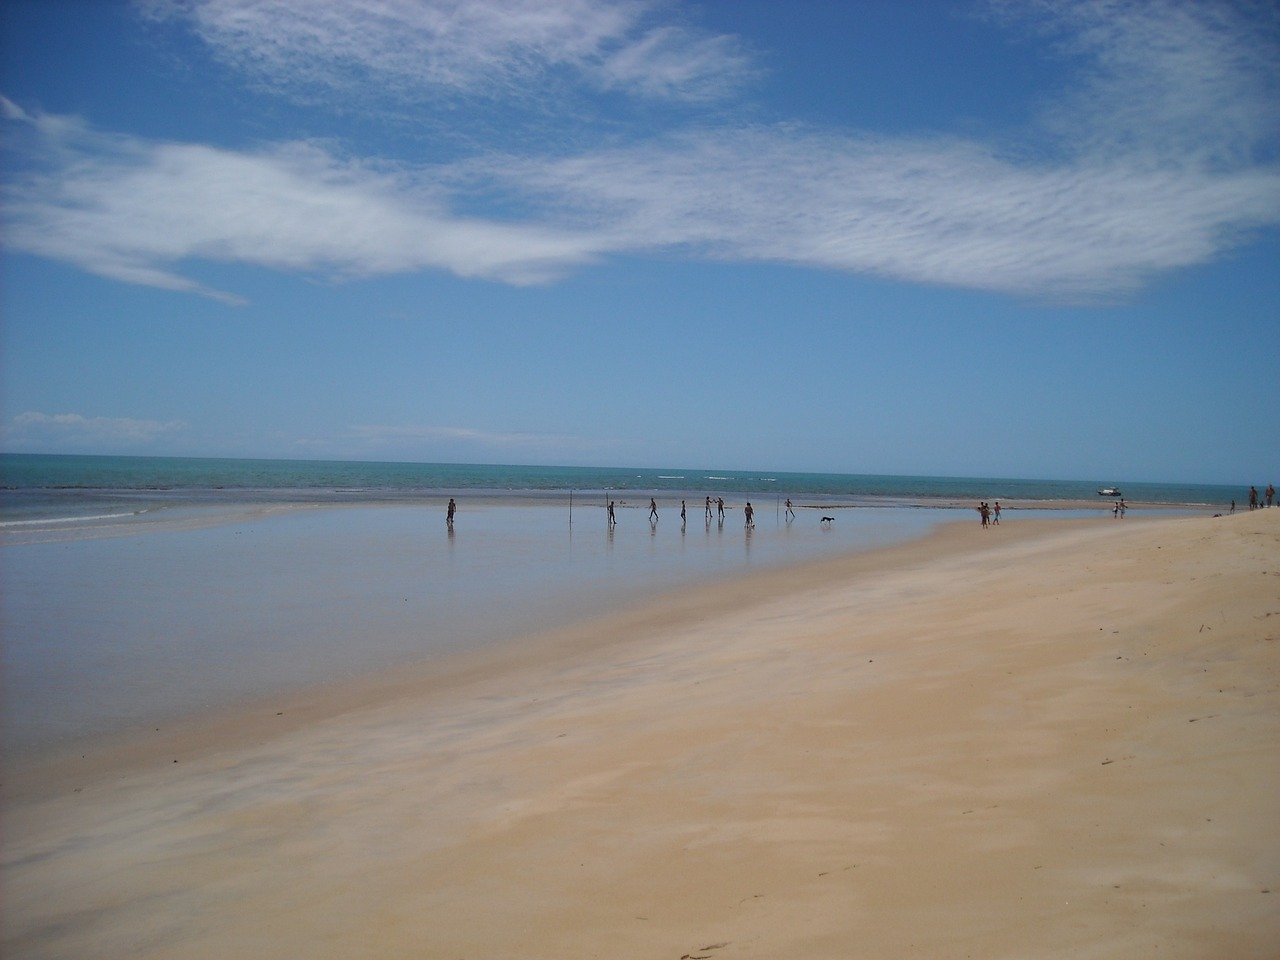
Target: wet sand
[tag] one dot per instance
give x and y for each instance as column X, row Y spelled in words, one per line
column 1053, row 739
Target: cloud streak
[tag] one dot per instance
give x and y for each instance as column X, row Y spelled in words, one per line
column 398, row 435
column 427, row 48
column 1162, row 156
column 37, row 428
column 432, row 442
column 942, row 212
column 131, row 210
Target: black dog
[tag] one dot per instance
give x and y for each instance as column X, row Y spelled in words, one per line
column 826, row 519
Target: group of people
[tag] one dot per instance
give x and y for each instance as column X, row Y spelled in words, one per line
column 1255, row 501
column 990, row 514
column 748, row 511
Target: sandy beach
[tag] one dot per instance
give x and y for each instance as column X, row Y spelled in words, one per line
column 1051, row 739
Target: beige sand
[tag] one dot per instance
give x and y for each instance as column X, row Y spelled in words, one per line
column 1048, row 740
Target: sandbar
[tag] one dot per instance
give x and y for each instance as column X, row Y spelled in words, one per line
column 1053, row 739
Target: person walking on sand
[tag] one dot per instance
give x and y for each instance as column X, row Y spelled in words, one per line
column 708, row 509
column 720, row 507
column 791, row 514
column 750, row 514
column 613, row 521
column 995, row 514
column 682, row 513
column 453, row 508
column 653, row 509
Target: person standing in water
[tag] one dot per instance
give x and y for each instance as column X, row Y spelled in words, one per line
column 612, row 519
column 791, row 514
column 750, row 514
column 453, row 508
column 682, row 515
column 653, row 509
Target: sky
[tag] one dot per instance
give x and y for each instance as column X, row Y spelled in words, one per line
column 1022, row 239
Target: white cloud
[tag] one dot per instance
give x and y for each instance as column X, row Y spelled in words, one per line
column 11, row 111
column 1163, row 156
column 667, row 63
column 944, row 212
column 398, row 435
column 1199, row 82
column 421, row 442
column 131, row 209
column 417, row 48
column 39, row 428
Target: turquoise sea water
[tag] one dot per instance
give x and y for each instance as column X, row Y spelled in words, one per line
column 66, row 487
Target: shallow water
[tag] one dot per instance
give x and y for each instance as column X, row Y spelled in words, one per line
column 104, row 633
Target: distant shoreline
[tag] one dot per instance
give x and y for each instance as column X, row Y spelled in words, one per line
column 219, row 479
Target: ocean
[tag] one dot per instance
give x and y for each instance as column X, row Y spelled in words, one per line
column 70, row 488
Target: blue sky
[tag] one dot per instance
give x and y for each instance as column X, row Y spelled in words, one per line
column 1029, row 239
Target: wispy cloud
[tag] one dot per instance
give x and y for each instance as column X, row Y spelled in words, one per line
column 1162, row 155
column 443, row 442
column 132, row 210
column 944, row 212
column 422, row 48
column 1190, row 82
column 373, row 433
column 39, row 429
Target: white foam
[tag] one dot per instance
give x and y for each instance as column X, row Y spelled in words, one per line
column 47, row 520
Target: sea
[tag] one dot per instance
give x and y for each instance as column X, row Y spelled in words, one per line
column 138, row 590
column 51, row 488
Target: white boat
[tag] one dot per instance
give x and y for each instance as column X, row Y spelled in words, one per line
column 1109, row 492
